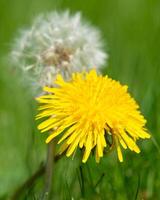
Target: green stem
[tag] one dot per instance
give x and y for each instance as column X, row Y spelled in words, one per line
column 48, row 172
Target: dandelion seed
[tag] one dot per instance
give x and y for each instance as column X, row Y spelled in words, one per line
column 86, row 109
column 57, row 43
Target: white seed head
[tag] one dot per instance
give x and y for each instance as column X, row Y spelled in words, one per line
column 57, row 43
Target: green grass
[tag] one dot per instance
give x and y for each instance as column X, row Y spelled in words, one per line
column 131, row 31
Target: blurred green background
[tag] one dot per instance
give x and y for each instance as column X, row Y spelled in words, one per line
column 131, row 30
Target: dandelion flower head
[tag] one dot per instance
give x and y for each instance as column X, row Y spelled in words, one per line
column 88, row 108
column 56, row 43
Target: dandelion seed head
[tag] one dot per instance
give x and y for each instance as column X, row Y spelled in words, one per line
column 57, row 43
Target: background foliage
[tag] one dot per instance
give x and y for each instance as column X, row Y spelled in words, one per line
column 131, row 31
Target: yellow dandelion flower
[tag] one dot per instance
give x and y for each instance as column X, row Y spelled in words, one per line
column 86, row 109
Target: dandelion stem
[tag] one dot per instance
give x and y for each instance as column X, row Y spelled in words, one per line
column 48, row 172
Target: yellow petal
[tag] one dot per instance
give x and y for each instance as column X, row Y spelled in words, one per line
column 119, row 152
column 54, row 134
column 88, row 147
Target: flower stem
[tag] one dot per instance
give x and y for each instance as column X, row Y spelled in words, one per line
column 48, row 171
